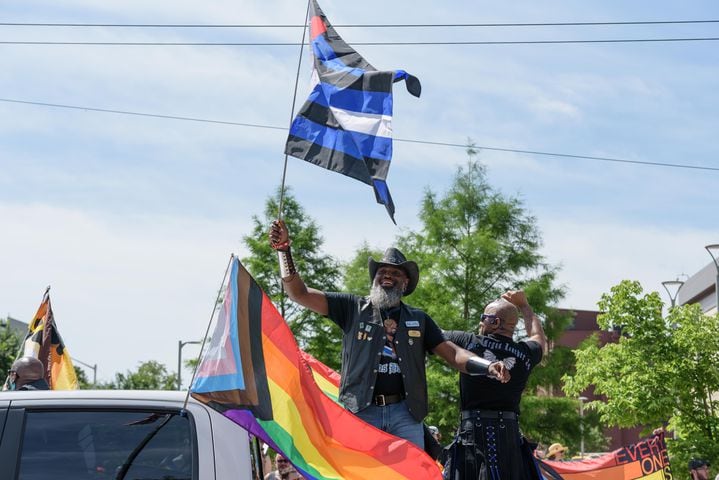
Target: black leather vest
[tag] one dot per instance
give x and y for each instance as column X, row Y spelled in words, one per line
column 362, row 346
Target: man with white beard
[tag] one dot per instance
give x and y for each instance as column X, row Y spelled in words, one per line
column 384, row 341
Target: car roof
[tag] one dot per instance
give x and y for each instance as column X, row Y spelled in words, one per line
column 64, row 396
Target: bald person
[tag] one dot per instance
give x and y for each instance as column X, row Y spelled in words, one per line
column 27, row 373
column 492, row 446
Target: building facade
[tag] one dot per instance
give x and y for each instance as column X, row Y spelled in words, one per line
column 583, row 326
column 700, row 288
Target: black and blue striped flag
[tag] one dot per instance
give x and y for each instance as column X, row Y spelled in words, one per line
column 345, row 124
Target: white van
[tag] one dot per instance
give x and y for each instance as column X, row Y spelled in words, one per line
column 118, row 435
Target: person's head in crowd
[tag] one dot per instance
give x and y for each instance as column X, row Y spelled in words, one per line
column 500, row 317
column 435, row 433
column 556, row 452
column 282, row 464
column 699, row 469
column 541, row 451
column 392, row 277
column 25, row 370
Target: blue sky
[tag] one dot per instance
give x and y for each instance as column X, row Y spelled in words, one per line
column 132, row 219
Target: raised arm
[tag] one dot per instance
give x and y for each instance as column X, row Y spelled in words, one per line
column 532, row 323
column 296, row 289
column 467, row 362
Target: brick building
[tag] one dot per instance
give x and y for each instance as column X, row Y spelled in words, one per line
column 583, row 326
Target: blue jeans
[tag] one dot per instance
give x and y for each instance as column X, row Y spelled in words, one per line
column 395, row 419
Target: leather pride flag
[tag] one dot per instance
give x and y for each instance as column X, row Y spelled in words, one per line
column 43, row 341
column 346, row 123
column 647, row 460
column 255, row 374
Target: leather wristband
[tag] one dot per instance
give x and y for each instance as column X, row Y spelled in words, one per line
column 478, row 366
column 287, row 265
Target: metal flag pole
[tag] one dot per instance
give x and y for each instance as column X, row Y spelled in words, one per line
column 207, row 331
column 292, row 113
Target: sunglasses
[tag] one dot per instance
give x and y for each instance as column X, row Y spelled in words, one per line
column 282, row 460
column 490, row 318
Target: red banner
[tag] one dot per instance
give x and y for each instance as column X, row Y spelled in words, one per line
column 646, row 460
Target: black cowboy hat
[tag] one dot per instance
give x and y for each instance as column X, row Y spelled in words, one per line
column 395, row 258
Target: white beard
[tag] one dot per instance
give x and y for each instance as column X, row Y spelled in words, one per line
column 385, row 297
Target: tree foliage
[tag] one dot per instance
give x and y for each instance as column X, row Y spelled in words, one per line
column 83, row 383
column 474, row 244
column 150, row 375
column 314, row 333
column 356, row 272
column 548, row 420
column 661, row 370
column 9, row 347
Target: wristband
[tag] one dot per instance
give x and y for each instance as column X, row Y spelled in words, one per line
column 287, row 266
column 281, row 247
column 478, row 366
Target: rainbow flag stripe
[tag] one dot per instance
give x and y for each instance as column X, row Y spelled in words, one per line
column 256, row 375
column 327, row 379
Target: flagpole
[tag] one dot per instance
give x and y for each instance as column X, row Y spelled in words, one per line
column 207, row 332
column 292, row 113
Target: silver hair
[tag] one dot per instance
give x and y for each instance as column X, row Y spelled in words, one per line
column 385, row 297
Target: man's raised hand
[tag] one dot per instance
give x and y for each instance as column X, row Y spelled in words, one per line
column 279, row 236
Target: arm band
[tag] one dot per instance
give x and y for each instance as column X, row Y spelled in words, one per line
column 477, row 366
column 287, row 266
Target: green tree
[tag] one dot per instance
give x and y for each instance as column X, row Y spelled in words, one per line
column 9, row 347
column 559, row 360
column 150, row 375
column 661, row 370
column 314, row 333
column 356, row 272
column 82, row 382
column 556, row 419
column 475, row 243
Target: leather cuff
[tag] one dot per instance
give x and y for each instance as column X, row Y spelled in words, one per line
column 287, row 265
column 478, row 366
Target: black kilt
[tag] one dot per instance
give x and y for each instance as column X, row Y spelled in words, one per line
column 489, row 446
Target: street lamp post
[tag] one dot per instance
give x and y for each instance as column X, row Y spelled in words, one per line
column 714, row 252
column 581, row 425
column 93, row 367
column 181, row 344
column 672, row 287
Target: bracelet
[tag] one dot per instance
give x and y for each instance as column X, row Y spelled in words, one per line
column 282, row 247
column 478, row 366
column 287, row 265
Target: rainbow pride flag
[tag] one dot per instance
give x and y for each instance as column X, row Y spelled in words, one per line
column 255, row 374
